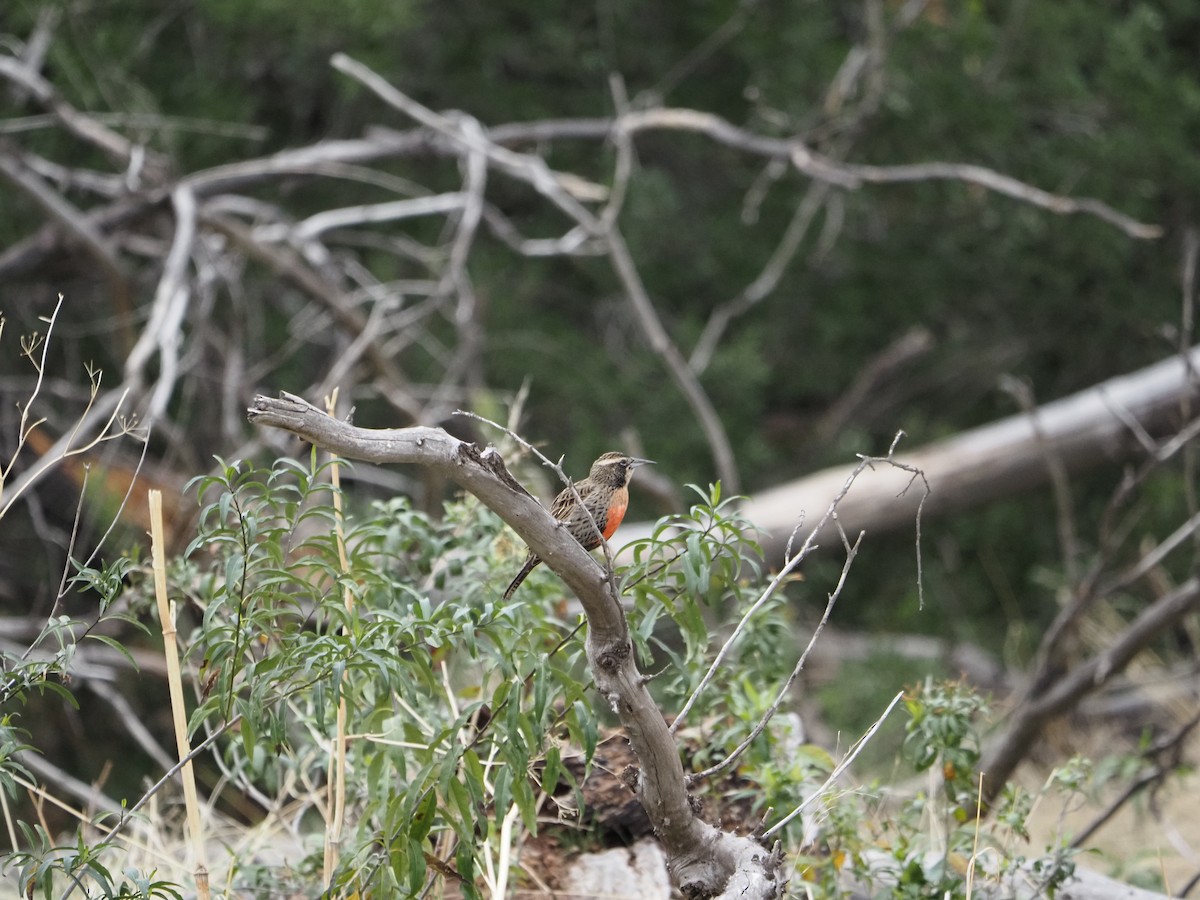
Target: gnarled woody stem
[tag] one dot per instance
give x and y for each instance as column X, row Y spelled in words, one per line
column 704, row 861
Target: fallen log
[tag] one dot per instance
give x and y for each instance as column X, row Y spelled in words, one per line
column 1106, row 423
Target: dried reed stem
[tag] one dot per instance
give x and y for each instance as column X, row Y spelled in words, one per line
column 337, row 760
column 166, row 614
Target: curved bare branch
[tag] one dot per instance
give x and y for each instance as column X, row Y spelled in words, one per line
column 703, row 860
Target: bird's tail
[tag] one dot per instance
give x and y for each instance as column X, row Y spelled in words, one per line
column 525, row 570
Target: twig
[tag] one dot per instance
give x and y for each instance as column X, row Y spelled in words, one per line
column 674, row 361
column 343, row 310
column 79, row 124
column 765, row 282
column 529, row 168
column 464, row 367
column 69, row 557
column 851, row 553
column 1170, row 746
column 25, row 426
column 1187, row 327
column 1130, row 421
column 109, row 405
column 623, row 164
column 1067, row 532
column 69, row 218
column 1152, row 558
column 838, row 769
column 1046, row 697
column 370, row 335
column 779, row 578
column 854, row 175
column 791, row 562
column 698, row 55
column 131, row 720
column 874, row 373
column 66, row 782
column 365, row 214
column 1186, row 890
column 471, row 209
column 96, row 549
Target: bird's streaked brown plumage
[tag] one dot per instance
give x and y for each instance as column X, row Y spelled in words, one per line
column 605, row 496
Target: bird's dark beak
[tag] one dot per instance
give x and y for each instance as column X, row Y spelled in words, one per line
column 634, row 462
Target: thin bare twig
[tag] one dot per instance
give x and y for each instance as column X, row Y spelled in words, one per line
column 365, row 214
column 701, row 53
column 64, row 781
column 665, row 348
column 108, row 406
column 760, row 727
column 25, row 426
column 395, row 388
column 464, row 369
column 1067, row 532
column 793, row 561
column 841, row 767
column 874, row 374
column 1165, row 757
column 70, row 218
column 853, row 176
column 766, row 281
column 1187, row 327
column 130, row 718
column 81, row 125
column 623, row 165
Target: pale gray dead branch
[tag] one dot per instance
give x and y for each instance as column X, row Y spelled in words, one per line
column 701, row 858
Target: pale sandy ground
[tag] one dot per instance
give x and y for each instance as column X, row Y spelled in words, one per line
column 1142, row 842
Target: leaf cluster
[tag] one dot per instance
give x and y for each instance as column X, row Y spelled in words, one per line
column 465, row 719
column 454, row 700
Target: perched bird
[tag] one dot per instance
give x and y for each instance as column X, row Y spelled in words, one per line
column 605, row 495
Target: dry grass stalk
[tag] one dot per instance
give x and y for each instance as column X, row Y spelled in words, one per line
column 337, row 760
column 166, row 613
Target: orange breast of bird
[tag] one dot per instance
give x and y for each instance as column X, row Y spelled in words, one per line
column 616, row 512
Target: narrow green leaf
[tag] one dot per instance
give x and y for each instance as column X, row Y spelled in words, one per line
column 424, row 817
column 551, row 770
column 416, row 867
column 115, row 645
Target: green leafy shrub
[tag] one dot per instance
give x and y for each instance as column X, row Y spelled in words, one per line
column 468, row 723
